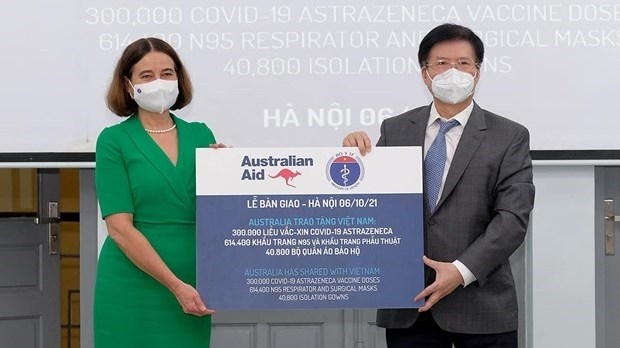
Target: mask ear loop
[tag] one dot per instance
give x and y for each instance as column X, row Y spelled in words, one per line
column 429, row 75
column 432, row 82
column 132, row 87
column 475, row 85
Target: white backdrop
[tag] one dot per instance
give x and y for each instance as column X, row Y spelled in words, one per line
column 289, row 73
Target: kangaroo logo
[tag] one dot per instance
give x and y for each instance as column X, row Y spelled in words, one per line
column 287, row 175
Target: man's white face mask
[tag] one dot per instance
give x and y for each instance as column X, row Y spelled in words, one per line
column 452, row 86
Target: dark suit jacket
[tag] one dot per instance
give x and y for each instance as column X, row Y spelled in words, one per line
column 481, row 219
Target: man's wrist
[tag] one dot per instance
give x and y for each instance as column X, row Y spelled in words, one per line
column 468, row 276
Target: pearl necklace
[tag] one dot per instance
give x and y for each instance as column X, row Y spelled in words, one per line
column 159, row 131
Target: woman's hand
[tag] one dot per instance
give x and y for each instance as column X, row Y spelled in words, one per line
column 218, row 146
column 190, row 300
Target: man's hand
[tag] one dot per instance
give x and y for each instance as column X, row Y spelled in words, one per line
column 447, row 279
column 358, row 139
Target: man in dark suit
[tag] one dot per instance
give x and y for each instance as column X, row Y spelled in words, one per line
column 477, row 210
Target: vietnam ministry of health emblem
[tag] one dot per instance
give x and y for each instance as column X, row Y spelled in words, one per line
column 345, row 170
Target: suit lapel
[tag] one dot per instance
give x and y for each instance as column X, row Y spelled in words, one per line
column 156, row 156
column 413, row 133
column 419, row 121
column 472, row 137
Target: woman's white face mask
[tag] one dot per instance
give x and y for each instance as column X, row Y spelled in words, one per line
column 156, row 96
column 452, row 86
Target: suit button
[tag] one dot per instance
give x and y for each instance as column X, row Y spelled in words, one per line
column 431, row 222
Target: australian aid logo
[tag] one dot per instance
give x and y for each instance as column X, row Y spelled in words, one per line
column 345, row 170
column 284, row 168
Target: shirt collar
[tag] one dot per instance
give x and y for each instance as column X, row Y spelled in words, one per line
column 462, row 116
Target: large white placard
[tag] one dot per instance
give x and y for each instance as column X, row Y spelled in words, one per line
column 293, row 228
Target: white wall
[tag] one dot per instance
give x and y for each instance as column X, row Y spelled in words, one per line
column 360, row 67
column 562, row 257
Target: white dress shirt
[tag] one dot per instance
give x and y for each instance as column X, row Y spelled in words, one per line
column 453, row 136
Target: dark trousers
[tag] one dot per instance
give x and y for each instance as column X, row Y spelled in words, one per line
column 425, row 333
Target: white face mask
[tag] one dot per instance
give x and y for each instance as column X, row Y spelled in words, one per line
column 452, row 86
column 156, row 96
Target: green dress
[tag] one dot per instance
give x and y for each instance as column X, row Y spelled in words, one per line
column 134, row 175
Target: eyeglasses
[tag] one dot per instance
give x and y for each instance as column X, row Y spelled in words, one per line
column 464, row 65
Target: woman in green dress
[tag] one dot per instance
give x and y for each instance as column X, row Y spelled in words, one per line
column 145, row 292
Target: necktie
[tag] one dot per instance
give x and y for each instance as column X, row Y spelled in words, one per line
column 435, row 162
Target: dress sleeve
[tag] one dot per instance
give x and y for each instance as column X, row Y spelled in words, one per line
column 206, row 136
column 111, row 177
